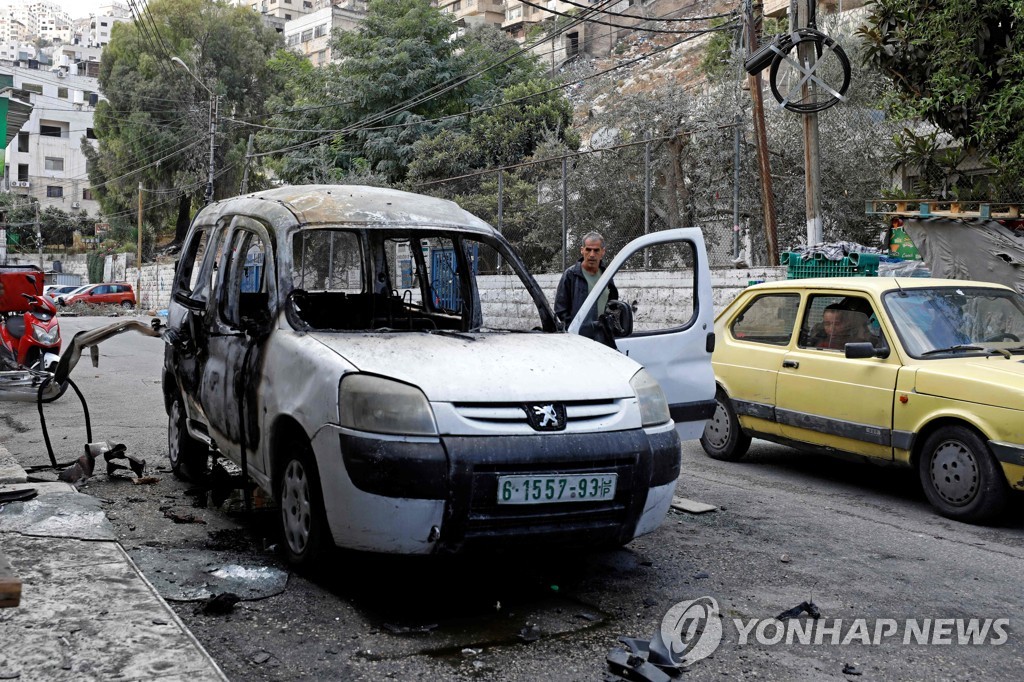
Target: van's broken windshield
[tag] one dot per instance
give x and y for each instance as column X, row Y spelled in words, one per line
column 421, row 281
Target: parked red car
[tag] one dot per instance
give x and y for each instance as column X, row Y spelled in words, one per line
column 110, row 293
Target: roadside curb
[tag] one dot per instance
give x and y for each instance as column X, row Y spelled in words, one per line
column 86, row 611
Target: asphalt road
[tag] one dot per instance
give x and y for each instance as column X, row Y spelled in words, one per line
column 860, row 542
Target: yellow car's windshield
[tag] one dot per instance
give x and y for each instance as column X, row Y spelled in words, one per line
column 955, row 320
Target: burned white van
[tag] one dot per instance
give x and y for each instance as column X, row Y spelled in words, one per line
column 384, row 366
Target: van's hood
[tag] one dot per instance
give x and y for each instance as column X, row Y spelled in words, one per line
column 992, row 380
column 491, row 367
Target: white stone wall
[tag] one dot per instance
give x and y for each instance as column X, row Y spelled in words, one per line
column 154, row 290
column 663, row 296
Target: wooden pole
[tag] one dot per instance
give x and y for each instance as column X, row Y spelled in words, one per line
column 812, row 155
column 761, row 142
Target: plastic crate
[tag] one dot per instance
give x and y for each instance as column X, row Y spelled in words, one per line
column 853, row 265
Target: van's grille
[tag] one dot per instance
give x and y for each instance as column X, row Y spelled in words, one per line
column 579, row 414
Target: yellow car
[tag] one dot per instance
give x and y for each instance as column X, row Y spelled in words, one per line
column 928, row 373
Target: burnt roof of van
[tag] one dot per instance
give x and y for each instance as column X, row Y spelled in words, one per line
column 352, row 204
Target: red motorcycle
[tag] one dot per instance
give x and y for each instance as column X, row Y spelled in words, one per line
column 29, row 332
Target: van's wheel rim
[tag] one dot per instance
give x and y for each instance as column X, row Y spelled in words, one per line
column 296, row 507
column 174, row 434
column 718, row 428
column 954, row 473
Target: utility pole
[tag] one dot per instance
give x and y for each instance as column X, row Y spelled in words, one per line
column 214, row 102
column 138, row 259
column 214, row 105
column 245, row 173
column 39, row 237
column 761, row 142
column 812, row 156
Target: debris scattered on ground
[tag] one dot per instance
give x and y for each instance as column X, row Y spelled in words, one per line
column 589, row 617
column 112, row 454
column 807, row 607
column 182, row 518
column 851, row 669
column 10, row 584
column 471, row 652
column 409, row 630
column 702, row 575
column 18, row 495
column 632, row 666
column 648, row 602
column 784, row 558
column 691, row 506
column 146, row 480
column 530, row 633
column 220, row 604
column 261, row 658
column 79, row 471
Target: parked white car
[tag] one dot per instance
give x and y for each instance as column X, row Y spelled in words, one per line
column 383, row 365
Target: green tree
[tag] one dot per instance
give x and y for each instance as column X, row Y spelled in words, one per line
column 366, row 111
column 403, row 77
column 958, row 64
column 153, row 124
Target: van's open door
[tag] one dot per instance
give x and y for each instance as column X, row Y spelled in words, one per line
column 672, row 328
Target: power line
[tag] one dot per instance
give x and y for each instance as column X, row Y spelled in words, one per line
column 350, row 129
column 607, row 23
column 642, row 18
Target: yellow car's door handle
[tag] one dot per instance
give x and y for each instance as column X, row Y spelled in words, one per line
column 792, row 364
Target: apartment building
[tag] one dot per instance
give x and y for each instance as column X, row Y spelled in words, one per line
column 287, row 10
column 474, row 12
column 311, row 34
column 45, row 159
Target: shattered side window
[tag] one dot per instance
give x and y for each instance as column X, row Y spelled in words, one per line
column 444, row 285
column 244, row 291
column 503, row 298
column 190, row 264
column 403, row 266
column 327, row 260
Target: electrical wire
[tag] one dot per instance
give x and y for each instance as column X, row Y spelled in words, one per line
column 634, row 16
column 332, row 133
column 606, row 23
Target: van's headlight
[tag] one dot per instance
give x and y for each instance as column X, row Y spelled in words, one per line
column 378, row 405
column 653, row 406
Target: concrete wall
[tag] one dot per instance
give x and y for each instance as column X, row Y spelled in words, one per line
column 663, row 294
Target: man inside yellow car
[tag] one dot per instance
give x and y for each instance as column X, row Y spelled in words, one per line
column 839, row 327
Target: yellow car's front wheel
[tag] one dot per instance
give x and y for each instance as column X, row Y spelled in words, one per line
column 723, row 438
column 960, row 476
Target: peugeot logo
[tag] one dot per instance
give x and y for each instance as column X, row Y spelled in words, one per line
column 546, row 416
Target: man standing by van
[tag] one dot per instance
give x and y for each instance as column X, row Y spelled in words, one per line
column 580, row 278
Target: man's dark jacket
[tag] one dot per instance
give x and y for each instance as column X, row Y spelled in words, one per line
column 572, row 291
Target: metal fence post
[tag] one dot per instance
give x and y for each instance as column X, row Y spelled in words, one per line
column 501, row 200
column 736, row 190
column 565, row 212
column 647, row 194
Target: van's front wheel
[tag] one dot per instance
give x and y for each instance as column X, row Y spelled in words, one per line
column 303, row 521
column 189, row 457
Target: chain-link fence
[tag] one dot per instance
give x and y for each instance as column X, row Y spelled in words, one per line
column 688, row 179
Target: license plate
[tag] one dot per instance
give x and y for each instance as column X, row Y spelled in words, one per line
column 562, row 488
